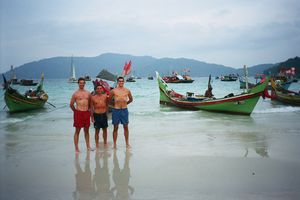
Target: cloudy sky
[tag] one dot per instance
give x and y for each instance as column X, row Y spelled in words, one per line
column 228, row 32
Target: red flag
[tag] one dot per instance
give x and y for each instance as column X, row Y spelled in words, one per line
column 126, row 69
column 106, row 86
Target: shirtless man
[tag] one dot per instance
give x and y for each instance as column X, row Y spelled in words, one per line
column 122, row 97
column 82, row 99
column 99, row 108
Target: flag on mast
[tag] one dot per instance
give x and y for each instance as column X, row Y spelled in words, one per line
column 127, row 68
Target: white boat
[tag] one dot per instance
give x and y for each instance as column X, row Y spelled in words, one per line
column 72, row 78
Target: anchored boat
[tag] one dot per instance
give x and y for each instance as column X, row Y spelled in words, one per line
column 32, row 99
column 242, row 104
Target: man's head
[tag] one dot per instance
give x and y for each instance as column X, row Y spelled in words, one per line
column 81, row 82
column 99, row 89
column 120, row 80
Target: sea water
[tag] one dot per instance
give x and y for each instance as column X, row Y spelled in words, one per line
column 173, row 150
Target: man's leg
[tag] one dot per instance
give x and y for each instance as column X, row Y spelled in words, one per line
column 104, row 135
column 87, row 137
column 126, row 134
column 115, row 134
column 97, row 137
column 76, row 139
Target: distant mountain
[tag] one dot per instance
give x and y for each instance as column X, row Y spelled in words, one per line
column 256, row 69
column 292, row 62
column 60, row 67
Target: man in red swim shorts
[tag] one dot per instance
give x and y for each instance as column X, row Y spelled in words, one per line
column 82, row 99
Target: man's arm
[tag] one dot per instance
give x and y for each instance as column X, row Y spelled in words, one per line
column 90, row 102
column 130, row 97
column 72, row 103
column 110, row 97
column 107, row 104
column 92, row 109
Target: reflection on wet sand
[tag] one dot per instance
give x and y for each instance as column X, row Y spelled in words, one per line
column 122, row 189
column 256, row 142
column 98, row 186
column 83, row 178
column 101, row 179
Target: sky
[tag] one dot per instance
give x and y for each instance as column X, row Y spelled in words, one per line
column 228, row 32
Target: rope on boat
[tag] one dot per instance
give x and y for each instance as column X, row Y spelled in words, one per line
column 51, row 104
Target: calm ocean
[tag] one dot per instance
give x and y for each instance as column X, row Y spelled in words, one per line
column 32, row 144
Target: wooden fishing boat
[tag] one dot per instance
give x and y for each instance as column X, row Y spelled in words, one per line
column 285, row 96
column 230, row 77
column 243, row 103
column 28, row 82
column 131, row 79
column 178, row 79
column 87, row 78
column 17, row 102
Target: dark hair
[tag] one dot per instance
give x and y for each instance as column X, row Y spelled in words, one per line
column 98, row 86
column 81, row 79
column 120, row 77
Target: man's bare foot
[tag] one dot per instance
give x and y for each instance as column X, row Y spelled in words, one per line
column 128, row 146
column 77, row 151
column 90, row 149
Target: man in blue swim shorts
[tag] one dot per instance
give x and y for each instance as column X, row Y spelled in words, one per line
column 122, row 97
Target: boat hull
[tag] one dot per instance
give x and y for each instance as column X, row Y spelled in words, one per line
column 229, row 78
column 291, row 99
column 180, row 81
column 242, row 104
column 285, row 96
column 18, row 103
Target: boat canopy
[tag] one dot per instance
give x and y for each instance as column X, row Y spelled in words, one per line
column 179, row 77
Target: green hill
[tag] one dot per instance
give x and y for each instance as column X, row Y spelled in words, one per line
column 59, row 67
column 143, row 66
column 292, row 62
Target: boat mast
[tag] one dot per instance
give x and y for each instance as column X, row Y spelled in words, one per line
column 13, row 74
column 73, row 75
column 246, row 77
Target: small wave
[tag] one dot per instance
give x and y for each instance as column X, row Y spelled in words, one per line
column 13, row 120
column 279, row 110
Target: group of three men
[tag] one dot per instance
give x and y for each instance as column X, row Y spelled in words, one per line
column 88, row 107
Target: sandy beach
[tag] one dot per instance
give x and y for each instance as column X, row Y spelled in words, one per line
column 227, row 165
column 175, row 154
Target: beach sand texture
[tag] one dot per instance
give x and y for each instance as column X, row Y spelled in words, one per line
column 175, row 154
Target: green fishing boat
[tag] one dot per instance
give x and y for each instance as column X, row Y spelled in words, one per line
column 32, row 99
column 242, row 104
column 285, row 96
